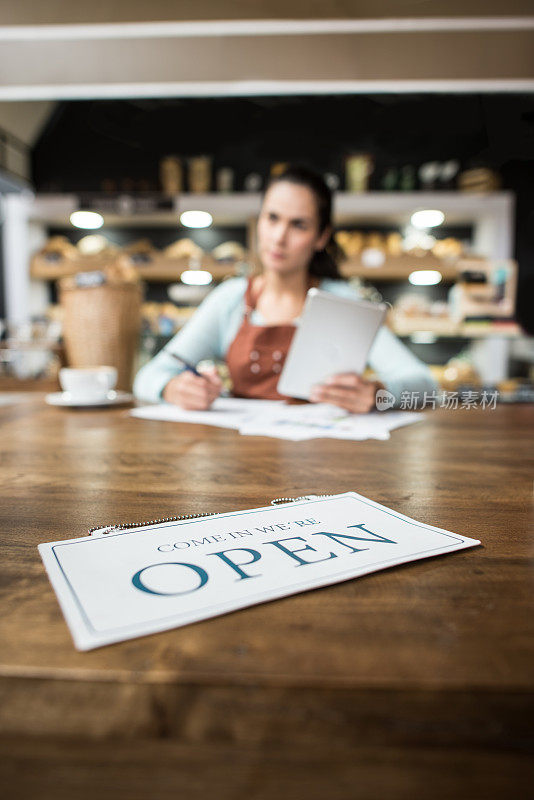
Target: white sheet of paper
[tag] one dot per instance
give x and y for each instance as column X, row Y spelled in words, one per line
column 325, row 421
column 278, row 419
column 226, row 412
column 125, row 584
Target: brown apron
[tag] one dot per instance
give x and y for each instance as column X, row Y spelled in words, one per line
column 256, row 356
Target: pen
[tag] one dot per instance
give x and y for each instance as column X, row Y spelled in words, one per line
column 186, row 364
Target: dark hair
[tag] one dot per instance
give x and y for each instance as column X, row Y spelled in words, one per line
column 324, row 262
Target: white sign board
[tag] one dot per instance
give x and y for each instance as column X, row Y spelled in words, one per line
column 125, row 584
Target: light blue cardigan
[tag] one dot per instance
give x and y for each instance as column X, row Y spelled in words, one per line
column 210, row 331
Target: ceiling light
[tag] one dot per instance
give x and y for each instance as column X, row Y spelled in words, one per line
column 424, row 277
column 196, row 219
column 429, row 218
column 196, row 277
column 89, row 220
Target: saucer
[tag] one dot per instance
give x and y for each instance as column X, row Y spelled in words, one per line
column 113, row 398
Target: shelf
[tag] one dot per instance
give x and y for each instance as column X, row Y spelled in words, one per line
column 159, row 270
column 447, row 329
column 227, row 209
column 41, row 269
column 397, row 207
column 167, row 270
column 237, row 208
column 398, row 268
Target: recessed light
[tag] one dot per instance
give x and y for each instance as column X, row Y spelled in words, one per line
column 429, row 218
column 196, row 219
column 90, row 220
column 196, row 277
column 425, row 277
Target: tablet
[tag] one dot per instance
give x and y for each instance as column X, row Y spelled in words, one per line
column 335, row 335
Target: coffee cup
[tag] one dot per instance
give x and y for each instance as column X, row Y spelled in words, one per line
column 88, row 383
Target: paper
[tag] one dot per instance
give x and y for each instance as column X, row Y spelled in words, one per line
column 226, row 412
column 325, row 421
column 278, row 419
column 121, row 585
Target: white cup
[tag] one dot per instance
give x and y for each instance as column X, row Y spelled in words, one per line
column 88, row 383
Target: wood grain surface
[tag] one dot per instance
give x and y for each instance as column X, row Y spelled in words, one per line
column 414, row 681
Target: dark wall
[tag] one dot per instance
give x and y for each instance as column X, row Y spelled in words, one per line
column 87, row 142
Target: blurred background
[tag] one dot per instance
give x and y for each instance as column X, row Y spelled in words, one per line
column 419, row 115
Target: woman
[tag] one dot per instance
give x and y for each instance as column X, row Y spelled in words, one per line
column 250, row 323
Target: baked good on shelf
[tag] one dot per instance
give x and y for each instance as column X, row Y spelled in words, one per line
column 57, row 248
column 96, row 244
column 351, row 242
column 447, row 248
column 229, row 251
column 394, row 244
column 183, row 248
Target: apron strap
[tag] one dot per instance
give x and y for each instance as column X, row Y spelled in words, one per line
column 251, row 298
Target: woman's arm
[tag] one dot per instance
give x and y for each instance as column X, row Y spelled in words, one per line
column 398, row 368
column 201, row 338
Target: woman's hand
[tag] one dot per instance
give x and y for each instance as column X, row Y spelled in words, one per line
column 192, row 392
column 349, row 391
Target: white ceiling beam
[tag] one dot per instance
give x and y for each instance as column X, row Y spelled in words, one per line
column 232, row 65
column 123, row 91
column 253, row 27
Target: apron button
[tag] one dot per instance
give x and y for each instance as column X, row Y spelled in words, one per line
column 254, row 355
column 277, row 368
column 277, row 355
column 255, row 368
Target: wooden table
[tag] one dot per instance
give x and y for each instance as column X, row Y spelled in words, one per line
column 415, row 682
